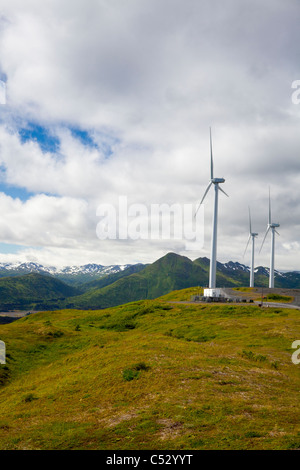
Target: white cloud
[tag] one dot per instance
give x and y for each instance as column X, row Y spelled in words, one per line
column 147, row 79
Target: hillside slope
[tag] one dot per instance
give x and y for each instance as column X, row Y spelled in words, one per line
column 32, row 291
column 171, row 272
column 166, row 274
column 111, row 278
column 136, row 282
column 151, row 375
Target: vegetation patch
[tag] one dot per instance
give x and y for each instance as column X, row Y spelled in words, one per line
column 4, row 374
column 279, row 298
column 191, row 334
column 134, row 371
column 29, row 398
column 254, row 357
column 243, row 289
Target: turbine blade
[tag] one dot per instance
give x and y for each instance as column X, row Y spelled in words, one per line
column 211, row 157
column 269, row 207
column 204, row 196
column 277, row 232
column 250, row 231
column 247, row 245
column 267, row 231
column 222, row 191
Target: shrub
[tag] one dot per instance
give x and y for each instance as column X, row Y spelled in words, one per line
column 134, row 371
column 30, row 397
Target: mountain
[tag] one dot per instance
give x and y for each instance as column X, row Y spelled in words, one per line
column 115, row 285
column 73, row 275
column 111, row 278
column 33, row 291
column 173, row 272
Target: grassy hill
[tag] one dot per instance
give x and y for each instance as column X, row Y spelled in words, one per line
column 33, row 291
column 151, row 375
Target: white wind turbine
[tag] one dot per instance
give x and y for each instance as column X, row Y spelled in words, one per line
column 216, row 182
column 273, row 227
column 252, row 236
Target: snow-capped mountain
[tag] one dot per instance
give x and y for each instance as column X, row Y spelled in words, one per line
column 9, row 269
column 231, row 266
column 78, row 275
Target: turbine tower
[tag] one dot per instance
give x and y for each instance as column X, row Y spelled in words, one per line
column 273, row 227
column 252, row 236
column 216, row 182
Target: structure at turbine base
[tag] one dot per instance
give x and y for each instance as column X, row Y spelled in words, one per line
column 213, row 292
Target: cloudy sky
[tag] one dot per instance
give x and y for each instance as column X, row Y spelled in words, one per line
column 112, row 98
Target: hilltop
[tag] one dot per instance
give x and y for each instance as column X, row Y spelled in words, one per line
column 151, row 375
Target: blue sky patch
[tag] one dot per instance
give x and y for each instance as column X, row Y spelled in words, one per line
column 41, row 135
column 15, row 192
column 49, row 142
column 83, row 136
column 103, row 141
column 11, row 248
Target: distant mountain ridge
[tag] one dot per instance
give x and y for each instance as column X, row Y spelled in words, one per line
column 39, row 268
column 173, row 272
column 73, row 275
column 95, row 286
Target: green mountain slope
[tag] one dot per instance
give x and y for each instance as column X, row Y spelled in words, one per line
column 111, row 278
column 33, row 291
column 151, row 375
column 171, row 272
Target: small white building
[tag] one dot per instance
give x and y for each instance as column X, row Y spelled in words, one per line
column 212, row 292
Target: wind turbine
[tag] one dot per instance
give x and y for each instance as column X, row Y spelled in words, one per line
column 273, row 227
column 252, row 236
column 216, row 182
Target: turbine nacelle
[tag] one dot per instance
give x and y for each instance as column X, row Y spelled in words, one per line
column 218, row 180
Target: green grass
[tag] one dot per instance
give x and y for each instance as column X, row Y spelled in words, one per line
column 151, row 375
column 243, row 289
column 182, row 294
column 279, row 298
